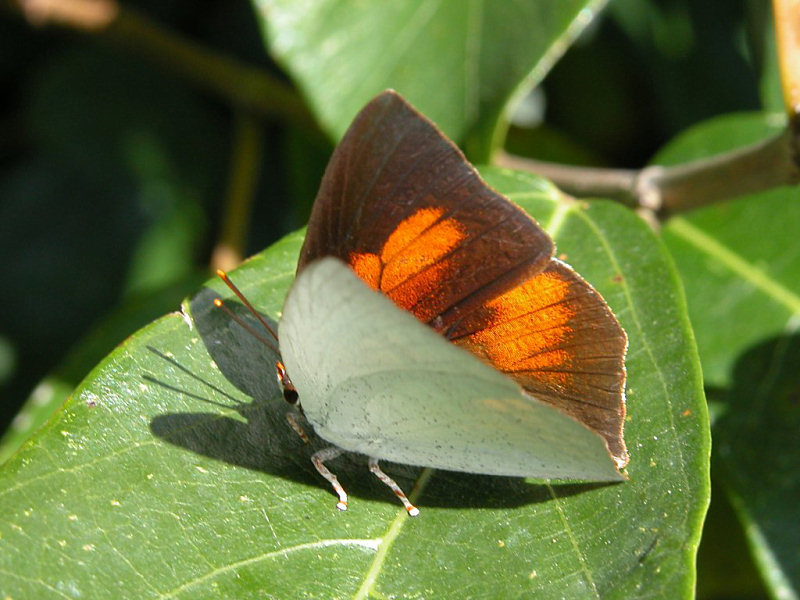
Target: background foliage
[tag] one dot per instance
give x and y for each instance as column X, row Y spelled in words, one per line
column 115, row 171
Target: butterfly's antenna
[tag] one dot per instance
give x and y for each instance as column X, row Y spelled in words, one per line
column 227, row 280
column 219, row 304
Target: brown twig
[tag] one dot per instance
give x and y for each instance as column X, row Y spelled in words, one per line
column 617, row 184
column 84, row 15
column 666, row 191
column 748, row 170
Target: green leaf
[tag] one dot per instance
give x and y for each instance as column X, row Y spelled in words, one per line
column 457, row 62
column 172, row 471
column 740, row 265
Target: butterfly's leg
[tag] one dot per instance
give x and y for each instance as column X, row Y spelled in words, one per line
column 327, row 454
column 373, row 466
column 294, row 421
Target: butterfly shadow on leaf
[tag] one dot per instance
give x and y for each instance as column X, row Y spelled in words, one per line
column 261, row 439
column 258, row 437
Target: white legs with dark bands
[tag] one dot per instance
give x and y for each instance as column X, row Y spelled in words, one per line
column 392, row 485
column 319, row 458
column 294, row 422
column 327, row 454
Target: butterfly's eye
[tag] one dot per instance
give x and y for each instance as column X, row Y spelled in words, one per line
column 290, row 395
column 289, row 391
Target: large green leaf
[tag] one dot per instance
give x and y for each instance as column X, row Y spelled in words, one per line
column 740, row 265
column 457, row 62
column 172, row 472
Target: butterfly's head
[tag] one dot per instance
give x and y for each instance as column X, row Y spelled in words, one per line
column 289, row 391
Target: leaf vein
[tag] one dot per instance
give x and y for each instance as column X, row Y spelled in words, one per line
column 369, row 544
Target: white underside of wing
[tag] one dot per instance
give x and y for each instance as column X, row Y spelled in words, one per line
column 374, row 380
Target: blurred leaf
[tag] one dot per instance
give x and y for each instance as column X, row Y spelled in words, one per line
column 725, row 569
column 458, row 63
column 107, row 203
column 172, row 471
column 766, row 57
column 632, row 82
column 740, row 264
column 305, row 162
column 688, row 46
column 759, row 457
column 125, row 124
column 8, row 360
column 62, row 262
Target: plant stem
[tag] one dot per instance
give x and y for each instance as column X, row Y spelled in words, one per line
column 616, row 184
column 245, row 162
column 747, row 170
column 670, row 190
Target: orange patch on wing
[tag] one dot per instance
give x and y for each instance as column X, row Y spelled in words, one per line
column 418, row 242
column 408, row 230
column 410, row 292
column 410, row 262
column 528, row 327
column 368, row 267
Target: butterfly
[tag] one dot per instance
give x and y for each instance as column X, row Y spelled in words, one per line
column 502, row 361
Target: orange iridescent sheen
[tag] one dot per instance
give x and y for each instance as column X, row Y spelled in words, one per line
column 368, row 267
column 409, row 230
column 528, row 327
column 411, row 262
